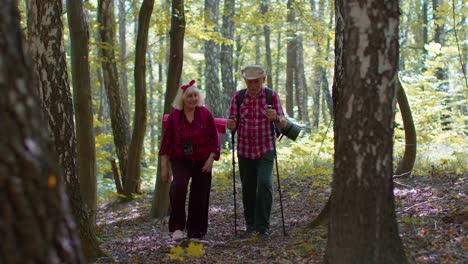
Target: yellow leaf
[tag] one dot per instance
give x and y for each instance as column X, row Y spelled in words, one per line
column 195, row 250
column 176, row 253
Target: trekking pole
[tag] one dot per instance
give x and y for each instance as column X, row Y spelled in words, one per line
column 273, row 130
column 233, row 132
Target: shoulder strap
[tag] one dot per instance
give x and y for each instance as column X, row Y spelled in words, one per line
column 240, row 97
column 269, row 95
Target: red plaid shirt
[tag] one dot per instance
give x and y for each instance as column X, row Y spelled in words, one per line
column 201, row 134
column 254, row 134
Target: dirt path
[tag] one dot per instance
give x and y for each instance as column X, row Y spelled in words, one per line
column 431, row 211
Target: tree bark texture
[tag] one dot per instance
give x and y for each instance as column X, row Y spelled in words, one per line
column 81, row 81
column 227, row 50
column 160, row 203
column 266, row 32
column 362, row 226
column 123, row 56
column 45, row 31
column 140, row 120
column 301, row 86
column 119, row 122
column 36, row 223
column 152, row 124
column 290, row 59
column 211, row 50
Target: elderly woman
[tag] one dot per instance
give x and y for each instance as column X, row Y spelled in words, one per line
column 191, row 142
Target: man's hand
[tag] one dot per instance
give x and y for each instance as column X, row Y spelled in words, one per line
column 282, row 122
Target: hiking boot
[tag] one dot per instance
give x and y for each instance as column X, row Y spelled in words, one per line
column 177, row 235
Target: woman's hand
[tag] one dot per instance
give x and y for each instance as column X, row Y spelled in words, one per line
column 208, row 166
column 164, row 169
column 231, row 123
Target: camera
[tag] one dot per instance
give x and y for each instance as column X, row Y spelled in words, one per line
column 188, row 150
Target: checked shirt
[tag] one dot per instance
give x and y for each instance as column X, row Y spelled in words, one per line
column 254, row 134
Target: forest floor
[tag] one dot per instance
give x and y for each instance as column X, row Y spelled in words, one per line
column 432, row 213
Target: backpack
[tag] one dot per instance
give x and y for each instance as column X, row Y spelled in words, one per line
column 269, row 98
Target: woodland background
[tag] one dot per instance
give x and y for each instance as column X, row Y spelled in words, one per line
column 135, row 60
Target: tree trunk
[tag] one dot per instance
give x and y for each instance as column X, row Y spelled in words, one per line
column 301, row 86
column 211, row 50
column 277, row 60
column 258, row 53
column 152, row 110
column 139, row 124
column 363, row 226
column 405, row 166
column 441, row 71
column 227, row 50
column 36, row 225
column 160, row 203
column 316, row 84
column 290, row 59
column 266, row 32
column 425, row 32
column 123, row 57
column 55, row 97
column 81, row 82
column 119, row 122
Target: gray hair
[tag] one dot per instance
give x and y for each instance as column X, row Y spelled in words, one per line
column 178, row 102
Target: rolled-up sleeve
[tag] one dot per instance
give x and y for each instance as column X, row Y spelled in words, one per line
column 167, row 135
column 213, row 136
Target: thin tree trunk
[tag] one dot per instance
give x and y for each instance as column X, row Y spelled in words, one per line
column 301, row 87
column 227, row 50
column 140, row 120
column 152, row 113
column 278, row 52
column 405, row 166
column 290, row 59
column 119, row 122
column 211, row 50
column 123, row 57
column 81, row 81
column 266, row 31
column 160, row 203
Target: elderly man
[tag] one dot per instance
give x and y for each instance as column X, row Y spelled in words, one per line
column 253, row 112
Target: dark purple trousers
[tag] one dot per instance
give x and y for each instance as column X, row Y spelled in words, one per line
column 197, row 221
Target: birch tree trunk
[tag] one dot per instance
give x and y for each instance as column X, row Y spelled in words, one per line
column 363, row 226
column 48, row 54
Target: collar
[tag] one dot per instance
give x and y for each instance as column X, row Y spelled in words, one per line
column 262, row 93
